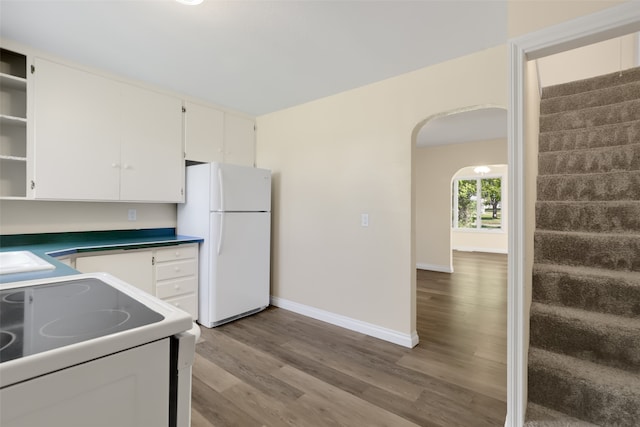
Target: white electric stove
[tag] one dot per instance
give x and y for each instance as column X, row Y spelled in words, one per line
column 91, row 349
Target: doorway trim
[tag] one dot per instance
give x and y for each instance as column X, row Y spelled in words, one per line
column 609, row 23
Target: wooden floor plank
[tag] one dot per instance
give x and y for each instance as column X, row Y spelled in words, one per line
column 278, row 368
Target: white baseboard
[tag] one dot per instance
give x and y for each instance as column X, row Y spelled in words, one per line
column 405, row 340
column 434, row 267
column 487, row 250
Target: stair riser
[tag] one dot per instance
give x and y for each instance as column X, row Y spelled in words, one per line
column 597, row 251
column 625, row 158
column 618, row 348
column 591, row 117
column 607, row 80
column 605, row 96
column 612, row 217
column 594, row 187
column 606, row 136
column 604, row 295
column 580, row 399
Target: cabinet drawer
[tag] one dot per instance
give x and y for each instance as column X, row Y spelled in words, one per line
column 176, row 252
column 171, row 288
column 188, row 303
column 172, row 270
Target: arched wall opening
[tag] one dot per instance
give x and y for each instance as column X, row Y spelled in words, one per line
column 446, row 143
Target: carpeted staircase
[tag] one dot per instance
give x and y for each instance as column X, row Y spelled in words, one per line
column 584, row 356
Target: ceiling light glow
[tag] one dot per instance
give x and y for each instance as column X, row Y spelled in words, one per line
column 482, row 169
column 190, row 2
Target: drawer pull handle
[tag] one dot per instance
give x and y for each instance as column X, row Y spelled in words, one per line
column 177, row 254
column 177, row 268
column 177, row 304
column 177, row 286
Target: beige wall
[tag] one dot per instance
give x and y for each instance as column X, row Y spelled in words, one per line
column 29, row 216
column 525, row 16
column 434, row 170
column 485, row 241
column 589, row 61
column 348, row 154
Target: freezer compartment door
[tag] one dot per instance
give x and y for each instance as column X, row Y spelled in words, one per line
column 240, row 188
column 240, row 267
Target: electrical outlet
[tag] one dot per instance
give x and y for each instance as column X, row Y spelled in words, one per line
column 132, row 215
column 364, row 219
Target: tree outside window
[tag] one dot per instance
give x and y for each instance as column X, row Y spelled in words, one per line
column 477, row 203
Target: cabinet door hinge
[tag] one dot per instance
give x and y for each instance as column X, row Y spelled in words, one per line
column 153, row 260
column 33, row 69
column 182, row 191
column 33, row 184
column 184, row 110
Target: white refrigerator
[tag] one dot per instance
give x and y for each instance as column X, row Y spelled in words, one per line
column 230, row 207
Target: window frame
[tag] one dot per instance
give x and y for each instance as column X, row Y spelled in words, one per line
column 454, row 203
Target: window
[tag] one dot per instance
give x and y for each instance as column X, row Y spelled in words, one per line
column 477, row 203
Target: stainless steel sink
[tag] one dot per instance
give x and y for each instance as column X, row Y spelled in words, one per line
column 21, row 262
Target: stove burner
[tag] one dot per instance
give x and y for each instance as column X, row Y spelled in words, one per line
column 83, row 324
column 14, row 298
column 6, row 339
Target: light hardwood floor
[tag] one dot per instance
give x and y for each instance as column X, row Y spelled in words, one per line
column 278, row 368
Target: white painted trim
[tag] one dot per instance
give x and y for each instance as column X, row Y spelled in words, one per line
column 434, row 267
column 405, row 340
column 477, row 249
column 611, row 22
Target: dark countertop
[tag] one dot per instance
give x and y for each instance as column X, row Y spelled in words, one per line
column 48, row 246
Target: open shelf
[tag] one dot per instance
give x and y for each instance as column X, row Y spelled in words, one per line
column 13, row 124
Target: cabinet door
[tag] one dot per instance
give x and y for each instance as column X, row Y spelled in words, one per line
column 133, row 267
column 77, row 147
column 204, row 133
column 239, row 140
column 152, row 147
column 126, row 389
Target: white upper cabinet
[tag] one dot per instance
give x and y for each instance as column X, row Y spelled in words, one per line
column 152, row 157
column 204, row 133
column 239, row 140
column 77, row 146
column 99, row 139
column 212, row 135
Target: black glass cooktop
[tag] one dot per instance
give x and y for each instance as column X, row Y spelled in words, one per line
column 38, row 318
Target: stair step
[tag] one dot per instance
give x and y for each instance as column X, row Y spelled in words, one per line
column 604, row 217
column 592, row 160
column 594, row 98
column 593, row 83
column 593, row 289
column 598, row 250
column 591, row 117
column 605, row 339
column 609, row 186
column 601, row 136
column 599, row 394
column 541, row 416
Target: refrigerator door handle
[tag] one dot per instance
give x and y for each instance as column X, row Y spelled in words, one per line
column 221, row 232
column 221, row 186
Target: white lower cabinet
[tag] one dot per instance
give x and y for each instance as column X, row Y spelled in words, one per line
column 176, row 276
column 130, row 266
column 125, row 389
column 169, row 273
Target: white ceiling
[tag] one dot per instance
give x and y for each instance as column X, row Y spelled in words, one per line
column 256, row 56
column 476, row 124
